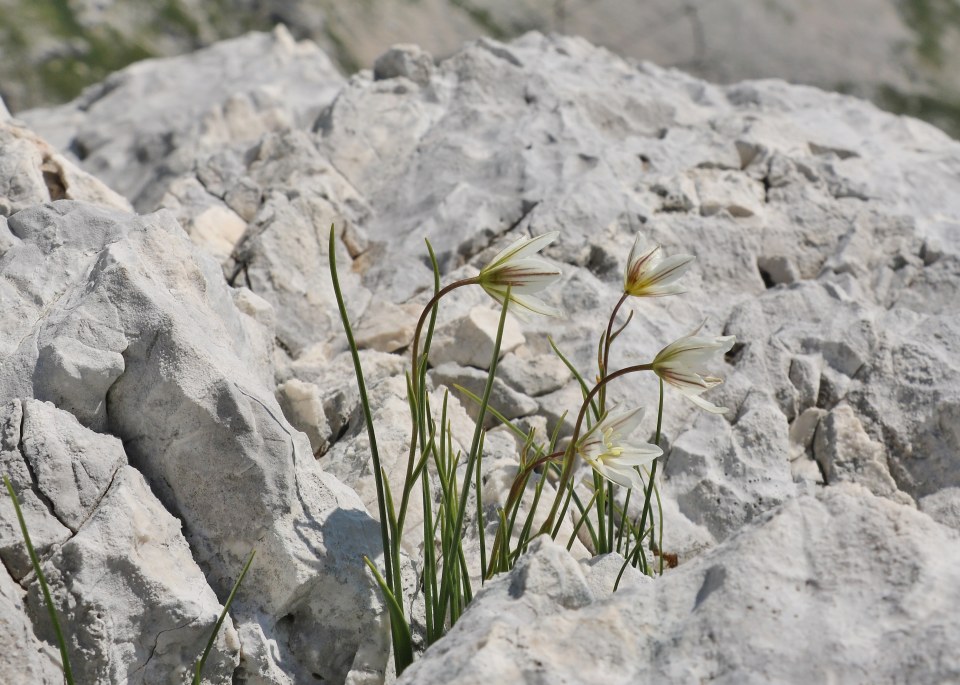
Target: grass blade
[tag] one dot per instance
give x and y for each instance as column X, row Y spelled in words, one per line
column 402, row 640
column 367, row 417
column 198, row 669
column 65, row 659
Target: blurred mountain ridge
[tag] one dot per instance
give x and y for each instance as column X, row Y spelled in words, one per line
column 902, row 54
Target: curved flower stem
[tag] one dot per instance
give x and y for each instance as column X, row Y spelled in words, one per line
column 607, row 343
column 646, row 501
column 423, row 317
column 516, row 491
column 415, row 378
column 571, row 452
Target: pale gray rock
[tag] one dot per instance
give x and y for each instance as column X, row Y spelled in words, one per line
column 336, row 380
column 70, row 373
column 150, row 122
column 302, row 406
column 735, row 193
column 909, row 395
column 385, row 326
column 46, row 530
column 943, row 506
column 200, row 424
column 133, row 604
column 828, row 247
column 845, row 241
column 33, row 171
column 469, row 341
column 845, row 452
column 541, row 623
column 406, row 61
column 72, row 466
column 23, row 657
column 510, row 403
column 283, row 255
column 131, row 601
column 533, row 375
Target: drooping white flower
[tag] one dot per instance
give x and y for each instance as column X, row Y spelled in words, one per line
column 515, row 268
column 683, row 362
column 608, row 450
column 650, row 274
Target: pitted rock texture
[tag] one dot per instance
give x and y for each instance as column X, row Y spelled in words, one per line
column 825, row 237
column 33, row 171
column 842, row 245
column 147, row 123
column 131, row 601
column 190, row 393
column 710, row 620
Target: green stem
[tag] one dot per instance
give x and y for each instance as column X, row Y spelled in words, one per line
column 61, row 642
column 607, row 343
column 418, row 419
column 367, row 417
column 646, row 499
column 198, row 670
column 571, row 451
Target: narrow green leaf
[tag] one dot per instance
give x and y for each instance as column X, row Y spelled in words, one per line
column 576, row 374
column 402, row 640
column 61, row 642
column 365, row 405
column 198, row 669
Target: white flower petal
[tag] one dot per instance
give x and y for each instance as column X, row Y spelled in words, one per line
column 626, row 422
column 638, row 455
column 607, row 449
column 515, row 268
column 670, row 269
column 627, row 478
column 649, row 273
column 707, row 406
column 533, row 304
column 683, row 363
column 523, row 247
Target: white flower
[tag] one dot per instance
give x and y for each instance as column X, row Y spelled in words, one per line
column 607, row 450
column 523, row 274
column 682, row 364
column 649, row 274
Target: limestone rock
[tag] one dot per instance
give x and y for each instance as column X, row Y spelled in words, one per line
column 533, row 375
column 33, row 171
column 387, row 327
column 824, row 232
column 846, row 453
column 302, row 405
column 148, row 123
column 131, row 601
column 505, row 400
column 541, row 622
column 23, row 657
column 469, row 341
column 198, row 422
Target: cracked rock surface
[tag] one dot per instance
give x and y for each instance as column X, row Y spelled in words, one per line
column 815, row 523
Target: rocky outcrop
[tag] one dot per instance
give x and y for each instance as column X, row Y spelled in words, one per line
column 150, row 122
column 710, row 620
column 824, row 235
column 141, row 337
column 900, row 53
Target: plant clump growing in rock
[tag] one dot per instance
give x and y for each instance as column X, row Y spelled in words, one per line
column 449, row 482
